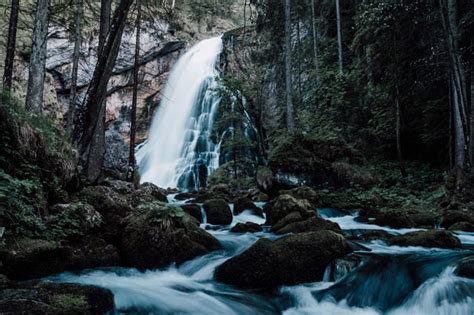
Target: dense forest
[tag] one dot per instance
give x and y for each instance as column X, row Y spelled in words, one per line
column 237, row 157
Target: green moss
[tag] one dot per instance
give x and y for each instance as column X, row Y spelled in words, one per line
column 68, row 303
column 36, row 163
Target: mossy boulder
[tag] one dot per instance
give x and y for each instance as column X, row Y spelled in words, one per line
column 193, row 210
column 243, row 203
column 289, row 260
column 159, row 234
column 217, row 211
column 314, row 223
column 56, row 299
column 147, row 192
column 462, row 226
column 305, row 192
column 431, row 238
column 285, row 204
column 112, row 205
column 316, row 161
column 451, row 217
column 465, row 268
column 73, row 220
column 33, row 258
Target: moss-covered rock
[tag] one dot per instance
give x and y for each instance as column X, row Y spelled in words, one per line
column 193, row 210
column 112, row 205
column 431, row 238
column 465, row 268
column 311, row 224
column 287, row 261
column 147, row 192
column 159, row 234
column 32, row 258
column 285, row 204
column 451, row 217
column 217, row 211
column 462, row 226
column 56, row 299
column 305, row 192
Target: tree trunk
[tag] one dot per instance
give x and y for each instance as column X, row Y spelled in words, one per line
column 11, row 45
column 315, row 40
column 401, row 161
column 471, row 112
column 92, row 152
column 133, row 118
column 459, row 95
column 105, row 13
column 75, row 66
column 290, row 123
column 339, row 36
column 34, row 94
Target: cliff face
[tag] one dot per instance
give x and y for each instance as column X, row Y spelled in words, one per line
column 159, row 51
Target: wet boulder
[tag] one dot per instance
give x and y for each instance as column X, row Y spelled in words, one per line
column 193, row 210
column 242, row 203
column 304, row 192
column 451, row 217
column 217, row 212
column 147, row 192
column 314, row 223
column 465, row 268
column 394, row 218
column 159, row 234
column 247, row 227
column 430, row 238
column 91, row 252
column 285, row 204
column 289, row 260
column 33, row 258
column 462, row 226
column 112, row 205
column 56, row 298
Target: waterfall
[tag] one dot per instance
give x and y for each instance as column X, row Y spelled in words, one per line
column 179, row 151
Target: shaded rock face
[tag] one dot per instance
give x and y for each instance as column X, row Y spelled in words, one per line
column 431, row 238
column 159, row 51
column 29, row 258
column 56, row 298
column 147, row 192
column 284, row 205
column 193, row 210
column 465, row 268
column 159, row 234
column 452, row 217
column 314, row 223
column 242, row 203
column 111, row 204
column 247, row 227
column 287, row 261
column 217, row 212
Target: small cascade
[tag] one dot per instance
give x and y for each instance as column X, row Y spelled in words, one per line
column 179, row 151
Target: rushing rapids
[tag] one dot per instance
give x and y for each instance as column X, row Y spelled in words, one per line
column 179, row 151
column 389, row 280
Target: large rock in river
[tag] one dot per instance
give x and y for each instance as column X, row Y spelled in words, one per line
column 55, row 299
column 430, row 238
column 242, row 204
column 287, row 261
column 217, row 212
column 159, row 234
column 285, row 204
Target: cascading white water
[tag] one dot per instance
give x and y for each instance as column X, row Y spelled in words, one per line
column 179, row 151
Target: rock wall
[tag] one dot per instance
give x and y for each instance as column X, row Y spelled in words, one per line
column 159, row 51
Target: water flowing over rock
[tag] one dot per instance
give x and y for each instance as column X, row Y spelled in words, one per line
column 290, row 260
column 179, row 151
